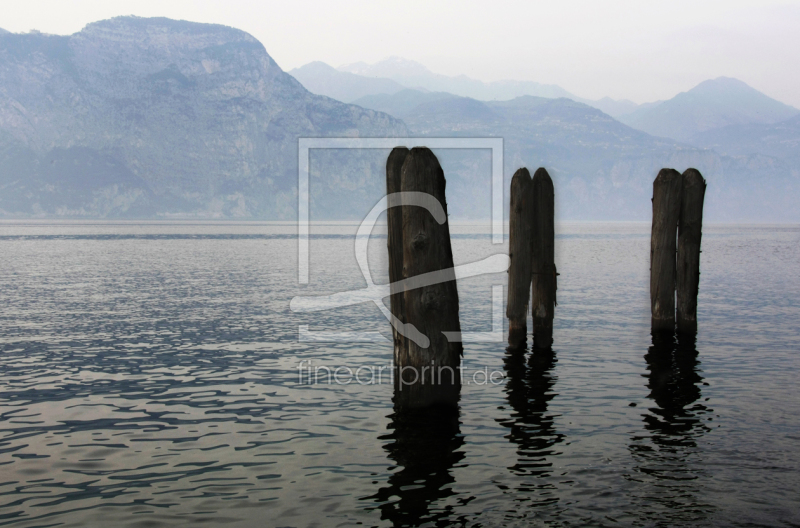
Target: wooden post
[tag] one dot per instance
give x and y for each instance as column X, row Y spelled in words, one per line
column 519, row 252
column 394, row 221
column 689, row 234
column 431, row 375
column 666, row 212
column 543, row 268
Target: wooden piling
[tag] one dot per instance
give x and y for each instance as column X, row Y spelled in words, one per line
column 543, row 268
column 666, row 212
column 431, row 375
column 689, row 233
column 394, row 221
column 519, row 252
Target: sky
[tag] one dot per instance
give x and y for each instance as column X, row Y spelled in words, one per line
column 637, row 50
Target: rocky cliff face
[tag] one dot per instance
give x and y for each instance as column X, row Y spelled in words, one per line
column 146, row 117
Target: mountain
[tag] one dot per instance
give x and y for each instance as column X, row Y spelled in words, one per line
column 322, row 79
column 162, row 118
column 157, row 117
column 399, row 104
column 602, row 169
column 779, row 140
column 711, row 104
column 414, row 75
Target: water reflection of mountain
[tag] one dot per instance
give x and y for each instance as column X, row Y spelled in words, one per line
column 424, row 444
column 666, row 456
column 528, row 390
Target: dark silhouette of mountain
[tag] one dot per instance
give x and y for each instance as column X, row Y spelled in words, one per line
column 321, row 79
column 711, row 104
column 779, row 140
column 151, row 116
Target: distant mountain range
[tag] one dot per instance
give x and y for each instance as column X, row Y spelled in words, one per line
column 603, row 162
column 711, row 104
column 151, row 116
column 353, row 81
column 602, row 168
column 322, row 79
column 778, row 140
column 161, row 118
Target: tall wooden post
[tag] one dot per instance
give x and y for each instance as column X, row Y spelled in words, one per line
column 543, row 268
column 689, row 234
column 431, row 375
column 666, row 212
column 394, row 221
column 519, row 252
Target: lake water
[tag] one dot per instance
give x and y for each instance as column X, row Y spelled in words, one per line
column 149, row 377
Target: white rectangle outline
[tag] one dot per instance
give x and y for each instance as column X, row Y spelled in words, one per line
column 306, row 144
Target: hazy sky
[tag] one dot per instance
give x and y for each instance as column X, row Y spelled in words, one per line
column 641, row 50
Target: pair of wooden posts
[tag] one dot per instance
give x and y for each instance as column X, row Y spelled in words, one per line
column 532, row 271
column 677, row 207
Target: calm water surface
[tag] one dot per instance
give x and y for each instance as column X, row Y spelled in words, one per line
column 149, row 377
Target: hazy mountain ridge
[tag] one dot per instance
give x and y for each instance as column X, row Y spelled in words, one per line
column 780, row 140
column 186, row 118
column 414, row 75
column 322, row 79
column 156, row 117
column 603, row 169
column 711, row 104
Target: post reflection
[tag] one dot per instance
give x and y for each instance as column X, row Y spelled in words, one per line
column 666, row 455
column 424, row 444
column 529, row 389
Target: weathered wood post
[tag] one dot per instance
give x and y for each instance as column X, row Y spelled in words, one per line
column 543, row 268
column 394, row 221
column 519, row 252
column 666, row 212
column 428, row 375
column 689, row 233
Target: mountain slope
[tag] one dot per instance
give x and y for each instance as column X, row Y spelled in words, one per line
column 414, row 75
column 779, row 140
column 602, row 169
column 711, row 104
column 171, row 117
column 401, row 103
column 321, row 79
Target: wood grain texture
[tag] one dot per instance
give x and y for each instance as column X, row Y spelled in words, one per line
column 543, row 268
column 519, row 253
column 394, row 220
column 431, row 309
column 690, row 227
column 666, row 212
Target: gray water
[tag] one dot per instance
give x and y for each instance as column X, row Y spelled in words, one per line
column 149, row 377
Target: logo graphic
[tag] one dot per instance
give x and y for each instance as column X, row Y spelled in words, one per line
column 377, row 292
